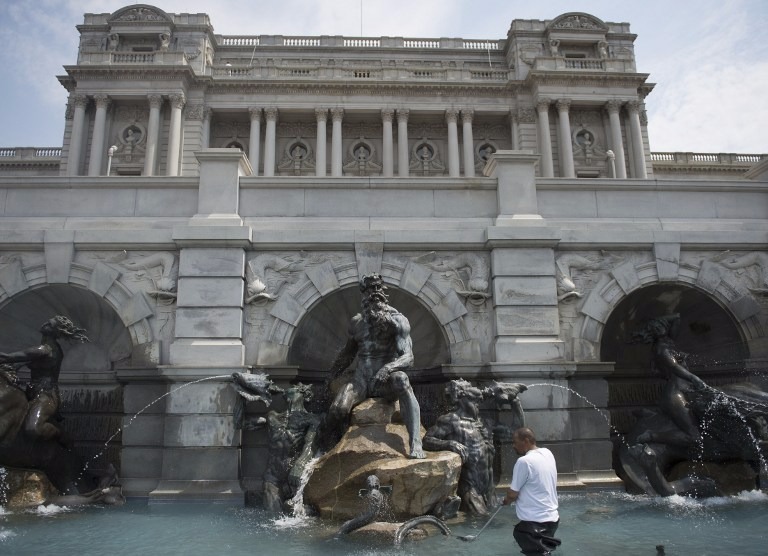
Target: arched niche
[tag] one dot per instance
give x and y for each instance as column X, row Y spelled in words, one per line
column 708, row 332
column 22, row 316
column 323, row 330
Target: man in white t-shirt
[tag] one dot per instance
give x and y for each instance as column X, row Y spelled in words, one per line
column 534, row 490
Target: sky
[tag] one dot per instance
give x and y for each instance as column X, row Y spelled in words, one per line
column 709, row 59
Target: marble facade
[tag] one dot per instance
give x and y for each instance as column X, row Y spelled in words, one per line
column 505, row 190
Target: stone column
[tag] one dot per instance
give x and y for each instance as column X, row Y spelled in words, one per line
column 254, row 142
column 174, row 134
column 76, row 137
column 402, row 142
column 566, row 148
column 321, row 148
column 469, row 142
column 99, row 133
column 153, row 134
column 270, row 140
column 451, row 117
column 205, row 139
column 638, row 152
column 514, row 124
column 337, row 114
column 545, row 139
column 617, row 145
column 387, row 160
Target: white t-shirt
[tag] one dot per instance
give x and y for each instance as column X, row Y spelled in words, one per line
column 535, row 478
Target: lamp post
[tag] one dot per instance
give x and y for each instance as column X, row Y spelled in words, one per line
column 110, row 154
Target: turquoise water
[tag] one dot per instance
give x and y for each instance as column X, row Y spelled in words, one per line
column 590, row 525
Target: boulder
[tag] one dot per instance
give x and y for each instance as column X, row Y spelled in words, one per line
column 373, row 447
column 24, row 488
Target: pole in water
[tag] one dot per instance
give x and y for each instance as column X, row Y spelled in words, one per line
column 470, row 538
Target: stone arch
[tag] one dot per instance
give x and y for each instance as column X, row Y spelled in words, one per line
column 709, row 278
column 414, row 281
column 101, row 280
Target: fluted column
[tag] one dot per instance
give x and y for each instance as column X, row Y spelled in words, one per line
column 451, row 117
column 153, row 132
column 566, row 148
column 76, row 136
column 514, row 125
column 402, row 142
column 321, row 149
column 617, row 145
column 545, row 139
column 388, row 163
column 638, row 152
column 469, row 142
column 254, row 140
column 99, row 133
column 337, row 114
column 270, row 139
column 174, row 134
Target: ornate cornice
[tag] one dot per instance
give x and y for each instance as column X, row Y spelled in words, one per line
column 366, row 89
column 587, row 79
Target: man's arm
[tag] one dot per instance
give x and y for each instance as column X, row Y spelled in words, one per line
column 403, row 349
column 26, row 355
column 510, row 497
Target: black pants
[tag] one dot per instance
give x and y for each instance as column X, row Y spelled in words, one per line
column 536, row 538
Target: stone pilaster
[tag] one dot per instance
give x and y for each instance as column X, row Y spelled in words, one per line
column 514, row 127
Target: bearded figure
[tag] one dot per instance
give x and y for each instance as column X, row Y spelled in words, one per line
column 380, row 338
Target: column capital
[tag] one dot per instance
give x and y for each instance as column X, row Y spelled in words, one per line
column 271, row 113
column 207, row 112
column 634, row 106
column 178, row 100
column 387, row 114
column 451, row 115
column 102, row 101
column 80, row 100
column 402, row 115
column 155, row 101
column 513, row 116
column 613, row 106
column 337, row 114
column 563, row 104
column 321, row 114
column 467, row 115
column 542, row 105
column 255, row 112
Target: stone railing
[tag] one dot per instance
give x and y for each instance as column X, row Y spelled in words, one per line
column 704, row 163
column 29, row 153
column 165, row 57
column 356, row 42
column 707, row 158
column 560, row 63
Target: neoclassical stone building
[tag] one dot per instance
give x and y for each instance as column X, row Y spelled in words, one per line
column 217, row 198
